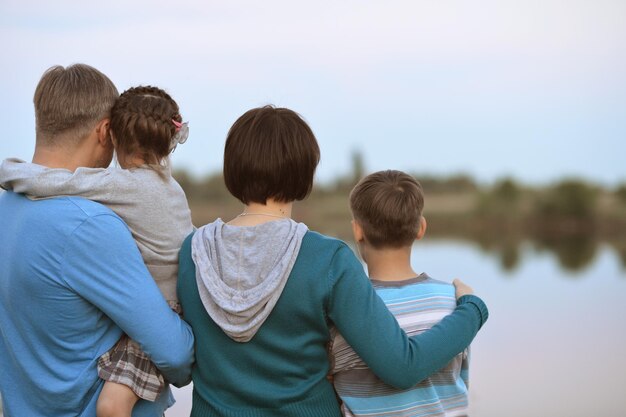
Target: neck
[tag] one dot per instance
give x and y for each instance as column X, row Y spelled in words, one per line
column 132, row 161
column 257, row 213
column 59, row 158
column 389, row 264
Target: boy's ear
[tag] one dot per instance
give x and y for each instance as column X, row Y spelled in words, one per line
column 357, row 231
column 422, row 229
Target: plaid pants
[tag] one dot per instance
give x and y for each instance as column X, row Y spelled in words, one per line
column 127, row 364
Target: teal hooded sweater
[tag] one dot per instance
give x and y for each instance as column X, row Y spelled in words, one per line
column 282, row 370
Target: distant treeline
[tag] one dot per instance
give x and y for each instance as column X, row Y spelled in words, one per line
column 569, row 218
column 459, row 204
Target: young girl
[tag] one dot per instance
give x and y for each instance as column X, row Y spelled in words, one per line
column 146, row 126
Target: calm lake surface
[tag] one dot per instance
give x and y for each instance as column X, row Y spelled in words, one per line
column 555, row 341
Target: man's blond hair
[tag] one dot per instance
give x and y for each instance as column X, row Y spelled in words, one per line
column 70, row 101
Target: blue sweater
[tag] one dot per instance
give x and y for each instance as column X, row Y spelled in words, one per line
column 282, row 370
column 71, row 280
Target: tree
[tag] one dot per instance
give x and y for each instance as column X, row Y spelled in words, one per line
column 358, row 166
column 620, row 194
column 507, row 191
column 571, row 198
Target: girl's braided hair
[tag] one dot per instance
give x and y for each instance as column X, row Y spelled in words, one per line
column 141, row 123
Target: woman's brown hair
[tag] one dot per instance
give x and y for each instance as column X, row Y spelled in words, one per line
column 142, row 124
column 270, row 153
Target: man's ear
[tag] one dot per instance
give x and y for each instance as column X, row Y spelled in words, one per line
column 103, row 132
column 422, row 229
column 357, row 231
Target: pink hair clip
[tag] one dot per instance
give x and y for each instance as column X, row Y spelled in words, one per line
column 177, row 124
column 181, row 135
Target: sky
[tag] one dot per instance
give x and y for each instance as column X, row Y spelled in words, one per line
column 535, row 90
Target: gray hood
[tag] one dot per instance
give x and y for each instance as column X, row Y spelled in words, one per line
column 241, row 271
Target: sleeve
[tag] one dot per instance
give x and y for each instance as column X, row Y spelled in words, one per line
column 95, row 184
column 103, row 265
column 373, row 332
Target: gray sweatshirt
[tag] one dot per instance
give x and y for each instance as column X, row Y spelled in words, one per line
column 241, row 271
column 153, row 206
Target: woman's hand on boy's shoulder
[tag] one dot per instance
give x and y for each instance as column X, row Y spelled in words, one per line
column 461, row 288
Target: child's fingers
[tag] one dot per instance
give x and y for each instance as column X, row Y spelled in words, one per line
column 461, row 288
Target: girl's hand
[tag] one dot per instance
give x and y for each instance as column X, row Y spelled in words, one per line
column 462, row 288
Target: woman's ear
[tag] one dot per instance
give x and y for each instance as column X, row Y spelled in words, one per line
column 422, row 229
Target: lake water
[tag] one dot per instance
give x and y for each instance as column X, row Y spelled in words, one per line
column 555, row 342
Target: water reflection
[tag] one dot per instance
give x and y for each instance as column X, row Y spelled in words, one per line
column 573, row 252
column 509, row 256
column 620, row 249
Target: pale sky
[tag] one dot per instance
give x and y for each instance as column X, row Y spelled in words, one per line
column 531, row 89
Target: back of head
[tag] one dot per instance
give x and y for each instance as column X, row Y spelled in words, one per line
column 142, row 124
column 270, row 153
column 388, row 205
column 69, row 102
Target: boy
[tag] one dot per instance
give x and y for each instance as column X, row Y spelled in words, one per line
column 387, row 217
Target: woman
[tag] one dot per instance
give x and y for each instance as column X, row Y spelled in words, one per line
column 262, row 291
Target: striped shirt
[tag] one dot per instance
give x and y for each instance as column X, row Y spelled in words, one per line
column 418, row 304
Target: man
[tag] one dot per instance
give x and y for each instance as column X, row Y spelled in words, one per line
column 71, row 276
